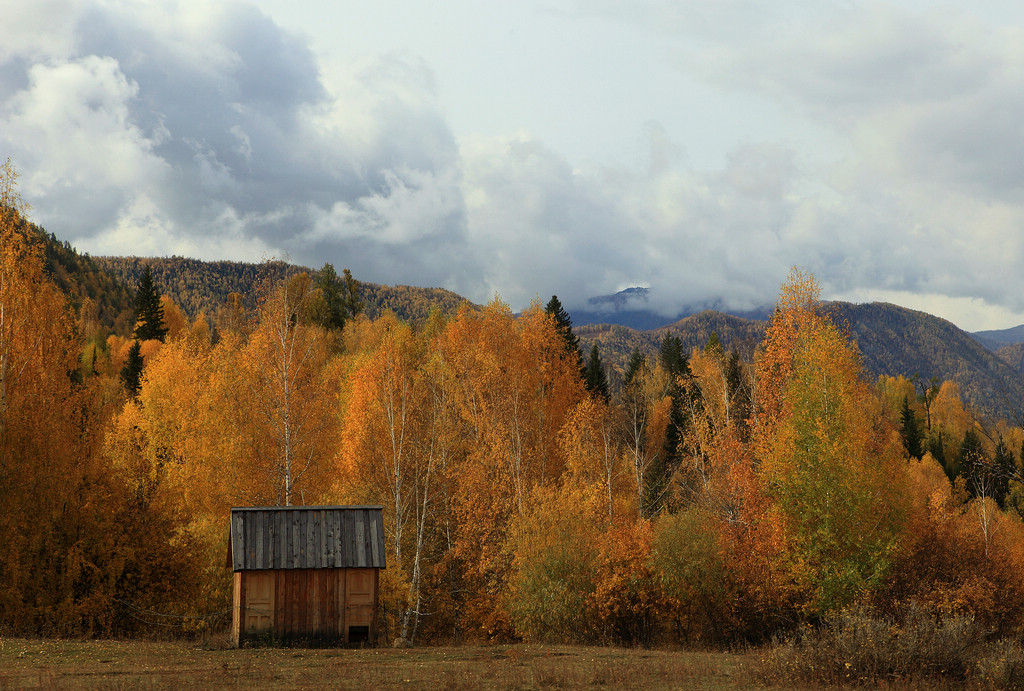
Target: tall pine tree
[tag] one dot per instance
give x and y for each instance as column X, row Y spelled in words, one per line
column 131, row 373
column 636, row 364
column 594, row 375
column 149, row 313
column 339, row 298
column 910, row 430
column 564, row 326
column 673, row 357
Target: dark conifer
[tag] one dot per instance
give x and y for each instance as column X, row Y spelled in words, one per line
column 339, row 298
column 969, row 461
column 714, row 346
column 131, row 373
column 564, row 326
column 637, row 363
column 149, row 313
column 595, row 377
column 1004, row 466
column 673, row 357
column 910, row 430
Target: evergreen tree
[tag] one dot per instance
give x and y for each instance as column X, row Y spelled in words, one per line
column 676, row 364
column 910, row 430
column 564, row 326
column 131, row 373
column 338, row 299
column 637, row 362
column 673, row 357
column 969, row 462
column 1003, row 466
column 594, row 375
column 351, row 299
column 149, row 313
column 714, row 346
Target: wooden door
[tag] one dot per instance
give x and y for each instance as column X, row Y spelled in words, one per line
column 259, row 601
column 361, row 598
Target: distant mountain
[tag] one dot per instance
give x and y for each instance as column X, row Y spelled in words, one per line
column 994, row 340
column 892, row 340
column 1013, row 355
column 198, row 286
column 628, row 308
column 896, row 340
column 100, row 299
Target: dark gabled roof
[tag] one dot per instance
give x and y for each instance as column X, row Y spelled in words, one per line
column 306, row 537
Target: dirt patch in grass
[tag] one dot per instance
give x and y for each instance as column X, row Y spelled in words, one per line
column 157, row 665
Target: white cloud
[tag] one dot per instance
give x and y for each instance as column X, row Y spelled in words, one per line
column 883, row 152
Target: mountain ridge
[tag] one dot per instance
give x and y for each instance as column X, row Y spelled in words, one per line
column 892, row 340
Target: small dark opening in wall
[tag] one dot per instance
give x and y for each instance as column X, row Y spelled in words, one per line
column 358, row 635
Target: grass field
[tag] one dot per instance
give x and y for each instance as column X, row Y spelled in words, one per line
column 157, row 665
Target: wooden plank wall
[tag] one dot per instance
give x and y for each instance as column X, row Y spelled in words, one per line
column 310, row 604
column 306, row 538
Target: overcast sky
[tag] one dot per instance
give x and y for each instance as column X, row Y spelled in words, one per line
column 526, row 148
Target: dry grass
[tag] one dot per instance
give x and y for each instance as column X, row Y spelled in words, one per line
column 158, row 665
column 918, row 651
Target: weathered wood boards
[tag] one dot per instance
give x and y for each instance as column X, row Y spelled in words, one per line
column 306, row 573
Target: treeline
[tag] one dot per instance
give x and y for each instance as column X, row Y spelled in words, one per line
column 892, row 340
column 200, row 287
column 708, row 497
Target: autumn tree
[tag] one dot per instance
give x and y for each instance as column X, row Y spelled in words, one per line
column 515, row 384
column 273, row 396
column 590, row 443
column 71, row 538
column 401, row 439
column 832, row 475
column 644, row 413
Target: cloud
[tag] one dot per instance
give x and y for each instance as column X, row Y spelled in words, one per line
column 211, row 131
column 157, row 129
column 920, row 184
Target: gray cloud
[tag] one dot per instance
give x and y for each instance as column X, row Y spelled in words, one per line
column 212, row 134
column 216, row 133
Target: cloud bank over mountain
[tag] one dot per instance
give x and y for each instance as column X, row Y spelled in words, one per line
column 887, row 154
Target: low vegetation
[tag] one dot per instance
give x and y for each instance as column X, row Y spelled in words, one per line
column 173, row 665
column 860, row 648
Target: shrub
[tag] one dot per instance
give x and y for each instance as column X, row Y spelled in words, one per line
column 858, row 646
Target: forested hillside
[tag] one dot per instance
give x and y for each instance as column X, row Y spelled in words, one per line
column 892, row 341
column 524, row 498
column 96, row 293
column 198, row 286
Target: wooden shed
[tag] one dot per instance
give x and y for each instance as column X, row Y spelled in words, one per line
column 306, row 573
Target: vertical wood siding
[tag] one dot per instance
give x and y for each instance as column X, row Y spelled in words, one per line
column 305, row 573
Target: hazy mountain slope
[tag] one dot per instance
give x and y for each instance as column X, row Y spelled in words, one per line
column 895, row 340
column 998, row 338
column 617, row 342
column 1013, row 355
column 98, row 296
column 892, row 340
column 198, row 286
